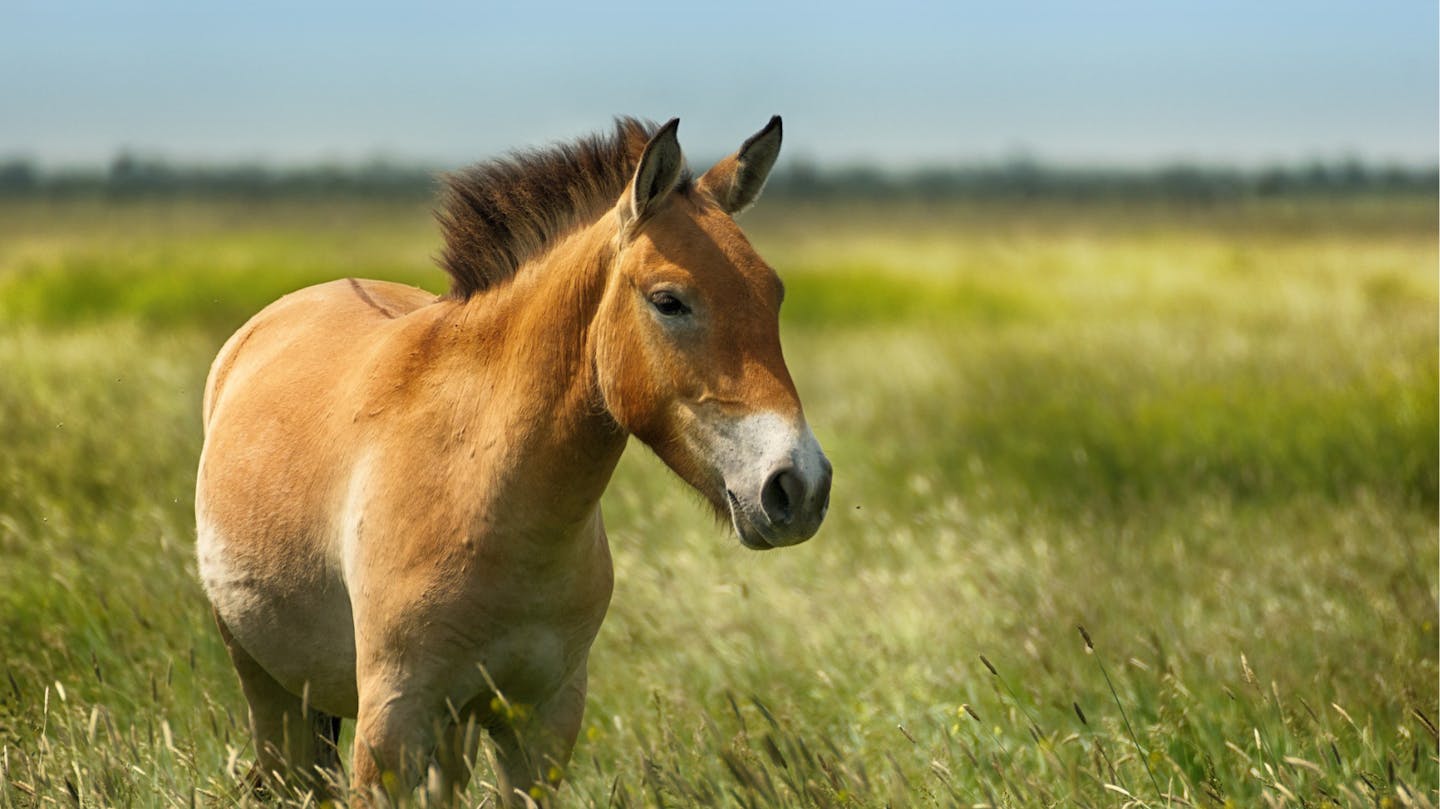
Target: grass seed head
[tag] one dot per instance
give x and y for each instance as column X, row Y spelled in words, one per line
column 986, row 661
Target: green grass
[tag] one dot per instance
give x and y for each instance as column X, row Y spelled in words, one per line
column 1207, row 436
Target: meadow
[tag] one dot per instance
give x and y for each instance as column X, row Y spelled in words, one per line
column 1135, row 505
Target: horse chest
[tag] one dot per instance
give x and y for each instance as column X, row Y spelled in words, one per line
column 496, row 622
column 528, row 661
column 528, row 643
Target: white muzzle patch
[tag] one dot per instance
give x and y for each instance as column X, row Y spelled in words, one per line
column 777, row 479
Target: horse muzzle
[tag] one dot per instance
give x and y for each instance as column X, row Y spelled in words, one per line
column 789, row 502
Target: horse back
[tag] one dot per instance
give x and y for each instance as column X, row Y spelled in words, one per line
column 320, row 324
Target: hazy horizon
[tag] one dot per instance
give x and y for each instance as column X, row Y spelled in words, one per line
column 1129, row 84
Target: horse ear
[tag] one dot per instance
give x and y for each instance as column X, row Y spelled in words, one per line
column 659, row 171
column 736, row 181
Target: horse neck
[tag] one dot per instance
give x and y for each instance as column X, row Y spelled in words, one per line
column 533, row 337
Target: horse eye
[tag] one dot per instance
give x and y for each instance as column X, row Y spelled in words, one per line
column 668, row 305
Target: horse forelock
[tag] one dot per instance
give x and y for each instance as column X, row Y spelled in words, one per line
column 499, row 214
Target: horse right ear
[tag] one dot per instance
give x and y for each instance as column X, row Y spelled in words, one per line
column 657, row 175
column 735, row 182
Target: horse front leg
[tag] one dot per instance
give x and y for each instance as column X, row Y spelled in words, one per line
column 531, row 751
column 454, row 759
column 395, row 736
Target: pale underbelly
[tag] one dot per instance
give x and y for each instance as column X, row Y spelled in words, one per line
column 300, row 629
column 297, row 627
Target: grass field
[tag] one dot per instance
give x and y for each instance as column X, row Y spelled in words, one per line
column 1206, row 435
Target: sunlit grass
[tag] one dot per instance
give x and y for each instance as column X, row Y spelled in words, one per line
column 1208, row 440
column 175, row 264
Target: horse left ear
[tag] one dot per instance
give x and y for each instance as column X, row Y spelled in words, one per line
column 736, row 181
column 655, row 177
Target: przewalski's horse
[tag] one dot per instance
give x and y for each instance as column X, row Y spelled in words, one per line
column 398, row 499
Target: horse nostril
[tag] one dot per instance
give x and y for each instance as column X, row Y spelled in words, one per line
column 781, row 492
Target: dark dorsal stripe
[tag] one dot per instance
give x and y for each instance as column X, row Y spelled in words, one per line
column 369, row 301
column 499, row 214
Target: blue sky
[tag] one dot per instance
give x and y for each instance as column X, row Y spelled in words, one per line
column 897, row 83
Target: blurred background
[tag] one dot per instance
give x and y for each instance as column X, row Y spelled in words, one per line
column 899, row 87
column 1117, row 314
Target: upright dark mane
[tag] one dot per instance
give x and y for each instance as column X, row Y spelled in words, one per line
column 498, row 214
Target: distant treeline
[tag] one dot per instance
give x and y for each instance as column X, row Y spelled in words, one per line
column 130, row 176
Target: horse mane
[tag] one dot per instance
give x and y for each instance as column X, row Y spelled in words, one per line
column 498, row 214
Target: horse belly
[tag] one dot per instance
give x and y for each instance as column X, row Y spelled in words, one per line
column 295, row 622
